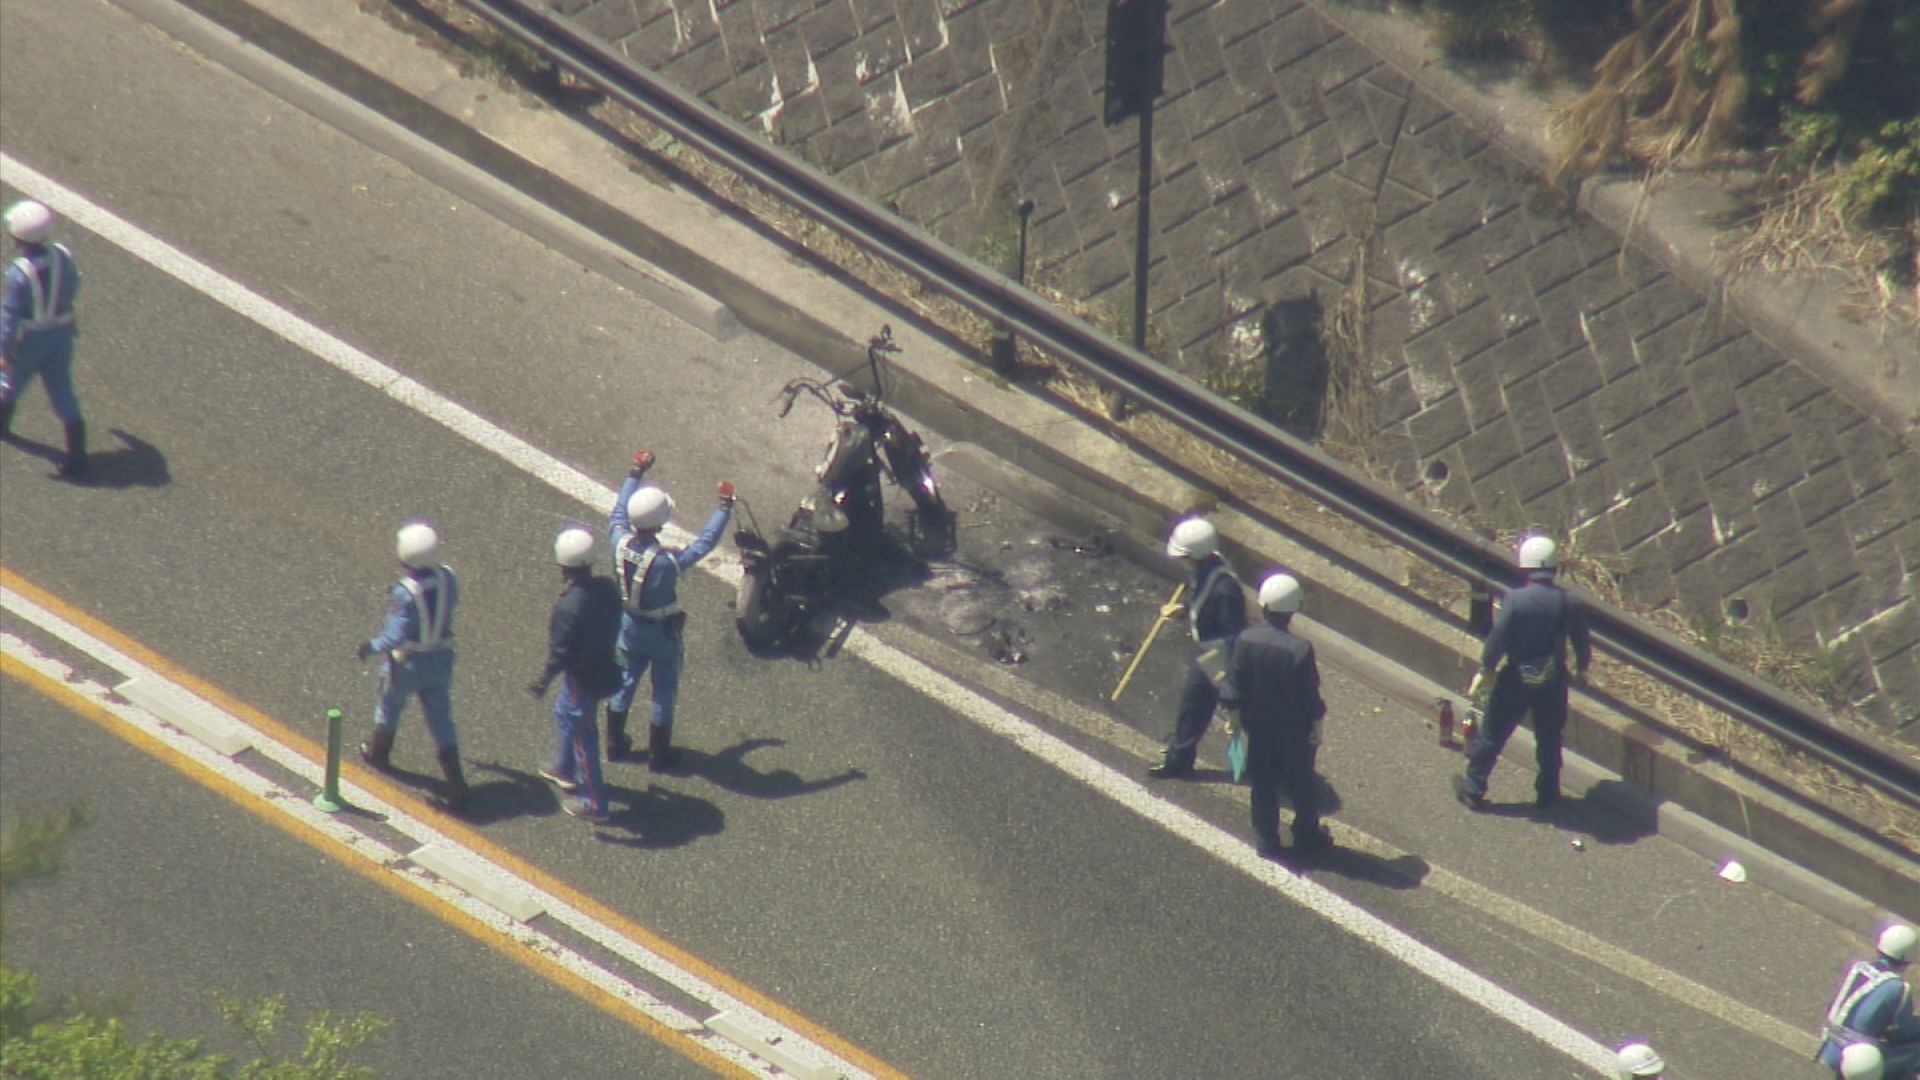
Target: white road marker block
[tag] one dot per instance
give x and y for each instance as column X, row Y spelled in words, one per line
column 188, row 713
column 479, row 880
column 741, row 1032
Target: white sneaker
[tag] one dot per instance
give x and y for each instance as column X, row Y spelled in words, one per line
column 558, row 781
column 581, row 810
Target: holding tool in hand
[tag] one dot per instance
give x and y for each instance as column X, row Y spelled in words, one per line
column 1169, row 611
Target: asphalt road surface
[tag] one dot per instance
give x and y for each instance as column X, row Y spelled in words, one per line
column 931, row 844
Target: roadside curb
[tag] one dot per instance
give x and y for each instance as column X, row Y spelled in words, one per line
column 577, row 173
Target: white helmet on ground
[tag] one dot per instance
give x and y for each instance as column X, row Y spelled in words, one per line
column 1194, row 538
column 1638, row 1060
column 1862, row 1061
column 1281, row 594
column 573, row 547
column 29, row 221
column 1537, row 552
column 416, row 544
column 1899, row 943
column 649, row 508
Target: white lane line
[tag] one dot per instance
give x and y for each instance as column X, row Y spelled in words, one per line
column 570, row 481
column 499, row 881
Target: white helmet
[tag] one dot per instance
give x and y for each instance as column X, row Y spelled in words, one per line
column 1538, row 553
column 1280, row 594
column 1194, row 538
column 416, row 544
column 1862, row 1061
column 649, row 508
column 1638, row 1059
column 573, row 547
column 1899, row 943
column 29, row 221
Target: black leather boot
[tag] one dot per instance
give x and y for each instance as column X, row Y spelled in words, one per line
column 6, row 419
column 660, row 752
column 377, row 747
column 456, row 796
column 75, row 465
column 619, row 744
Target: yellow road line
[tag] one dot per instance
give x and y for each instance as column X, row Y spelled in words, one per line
column 400, row 884
column 453, row 828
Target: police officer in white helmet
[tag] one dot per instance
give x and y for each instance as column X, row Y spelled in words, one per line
column 1273, row 686
column 37, row 327
column 1216, row 610
column 1874, row 1006
column 581, row 637
column 416, row 647
column 1538, row 624
column 1637, row 1061
column 652, row 623
column 1862, row 1061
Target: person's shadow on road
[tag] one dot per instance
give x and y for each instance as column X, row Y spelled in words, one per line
column 658, row 818
column 728, row 769
column 517, row 793
column 1609, row 812
column 135, row 463
column 1401, row 872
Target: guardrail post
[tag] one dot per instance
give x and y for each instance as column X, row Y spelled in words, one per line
column 1002, row 355
column 329, row 797
column 1479, row 610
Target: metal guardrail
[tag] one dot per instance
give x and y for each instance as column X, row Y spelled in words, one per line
column 1481, row 564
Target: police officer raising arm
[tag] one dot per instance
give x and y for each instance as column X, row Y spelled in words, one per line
column 651, row 622
column 1216, row 612
column 416, row 645
column 1536, row 625
column 37, row 327
column 1273, row 684
column 582, row 634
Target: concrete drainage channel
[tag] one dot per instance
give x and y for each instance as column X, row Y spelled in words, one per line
column 614, row 217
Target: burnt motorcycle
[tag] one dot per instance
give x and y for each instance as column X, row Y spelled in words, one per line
column 841, row 524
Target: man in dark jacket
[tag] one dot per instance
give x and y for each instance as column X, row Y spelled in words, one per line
column 1273, row 683
column 1536, row 624
column 581, row 638
column 1216, row 610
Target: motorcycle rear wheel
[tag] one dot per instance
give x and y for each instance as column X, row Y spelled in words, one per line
column 757, row 611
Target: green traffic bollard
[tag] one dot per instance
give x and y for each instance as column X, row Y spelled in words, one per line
column 329, row 797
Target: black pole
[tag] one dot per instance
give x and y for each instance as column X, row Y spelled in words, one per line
column 1000, row 349
column 1020, row 266
column 1142, row 243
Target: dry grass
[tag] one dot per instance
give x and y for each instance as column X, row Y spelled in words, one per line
column 1671, row 86
column 1344, row 335
column 1804, row 226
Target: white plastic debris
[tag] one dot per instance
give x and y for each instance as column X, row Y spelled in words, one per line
column 1733, row 872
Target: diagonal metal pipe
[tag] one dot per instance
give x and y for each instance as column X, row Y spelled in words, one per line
column 1441, row 542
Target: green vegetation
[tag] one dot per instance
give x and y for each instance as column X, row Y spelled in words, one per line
column 65, row 1041
column 1822, row 95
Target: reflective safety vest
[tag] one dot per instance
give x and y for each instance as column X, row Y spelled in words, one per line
column 431, row 625
column 1862, row 980
column 46, row 313
column 634, row 567
column 1214, row 653
column 1205, row 591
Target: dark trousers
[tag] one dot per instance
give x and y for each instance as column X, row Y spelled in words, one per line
column 1511, row 700
column 1276, row 765
column 1198, row 697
